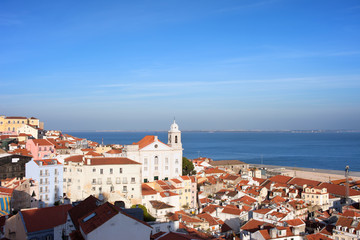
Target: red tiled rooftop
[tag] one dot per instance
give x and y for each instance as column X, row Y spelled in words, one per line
column 45, row 218
column 110, row 161
column 317, row 236
column 177, row 181
column 47, row 162
column 168, row 194
column 97, row 217
column 280, row 179
column 254, row 225
column 295, row 222
column 147, row 190
column 82, row 209
column 303, row 181
column 146, row 141
column 41, row 142
column 262, row 211
column 231, row 210
column 114, row 151
column 210, row 208
column 338, row 190
column 76, row 158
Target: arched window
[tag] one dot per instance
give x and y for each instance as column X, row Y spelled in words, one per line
column 176, row 139
column 156, row 160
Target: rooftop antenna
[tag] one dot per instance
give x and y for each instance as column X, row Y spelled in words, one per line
column 102, row 141
column 347, row 185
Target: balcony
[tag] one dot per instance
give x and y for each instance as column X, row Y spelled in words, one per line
column 108, row 182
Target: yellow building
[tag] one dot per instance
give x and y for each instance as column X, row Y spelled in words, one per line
column 316, row 196
column 12, row 124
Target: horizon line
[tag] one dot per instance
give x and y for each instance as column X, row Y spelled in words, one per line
column 241, row 130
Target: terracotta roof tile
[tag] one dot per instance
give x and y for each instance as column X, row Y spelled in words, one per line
column 147, row 190
column 83, row 208
column 97, row 217
column 44, row 218
column 41, row 142
column 160, row 205
column 280, row 179
column 75, row 158
column 110, row 161
column 254, row 225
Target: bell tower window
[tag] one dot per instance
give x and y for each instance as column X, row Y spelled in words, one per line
column 176, row 139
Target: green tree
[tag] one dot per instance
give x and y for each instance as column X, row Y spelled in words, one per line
column 187, row 167
column 147, row 216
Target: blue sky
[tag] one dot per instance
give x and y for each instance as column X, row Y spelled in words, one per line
column 226, row 65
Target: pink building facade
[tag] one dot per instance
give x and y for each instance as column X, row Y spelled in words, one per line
column 40, row 148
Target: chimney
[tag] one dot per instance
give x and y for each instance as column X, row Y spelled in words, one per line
column 155, row 138
column 273, row 232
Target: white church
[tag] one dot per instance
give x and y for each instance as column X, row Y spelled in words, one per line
column 159, row 161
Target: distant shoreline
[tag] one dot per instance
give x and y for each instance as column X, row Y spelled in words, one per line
column 312, row 170
column 214, row 131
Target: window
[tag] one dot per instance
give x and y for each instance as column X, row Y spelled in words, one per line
column 111, row 188
column 124, row 188
column 64, row 180
column 108, row 181
column 56, row 172
column 93, row 189
column 41, row 189
column 156, row 168
column 39, row 148
column 94, row 181
column 132, row 180
column 156, row 160
column 111, row 171
column 117, row 180
column 145, row 180
column 101, row 171
column 64, row 169
column 120, row 170
column 145, row 161
column 94, row 169
column 99, row 181
column 177, row 161
column 166, row 160
column 176, row 170
column 176, row 139
column 145, row 169
column 124, row 180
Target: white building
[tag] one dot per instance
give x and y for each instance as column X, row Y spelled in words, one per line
column 159, row 161
column 116, row 179
column 49, row 175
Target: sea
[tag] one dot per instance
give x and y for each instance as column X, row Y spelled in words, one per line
column 322, row 150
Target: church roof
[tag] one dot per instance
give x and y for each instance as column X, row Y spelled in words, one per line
column 147, row 140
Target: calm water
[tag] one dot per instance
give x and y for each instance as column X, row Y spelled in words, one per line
column 312, row 150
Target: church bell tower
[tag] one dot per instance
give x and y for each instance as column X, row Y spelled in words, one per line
column 174, row 136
